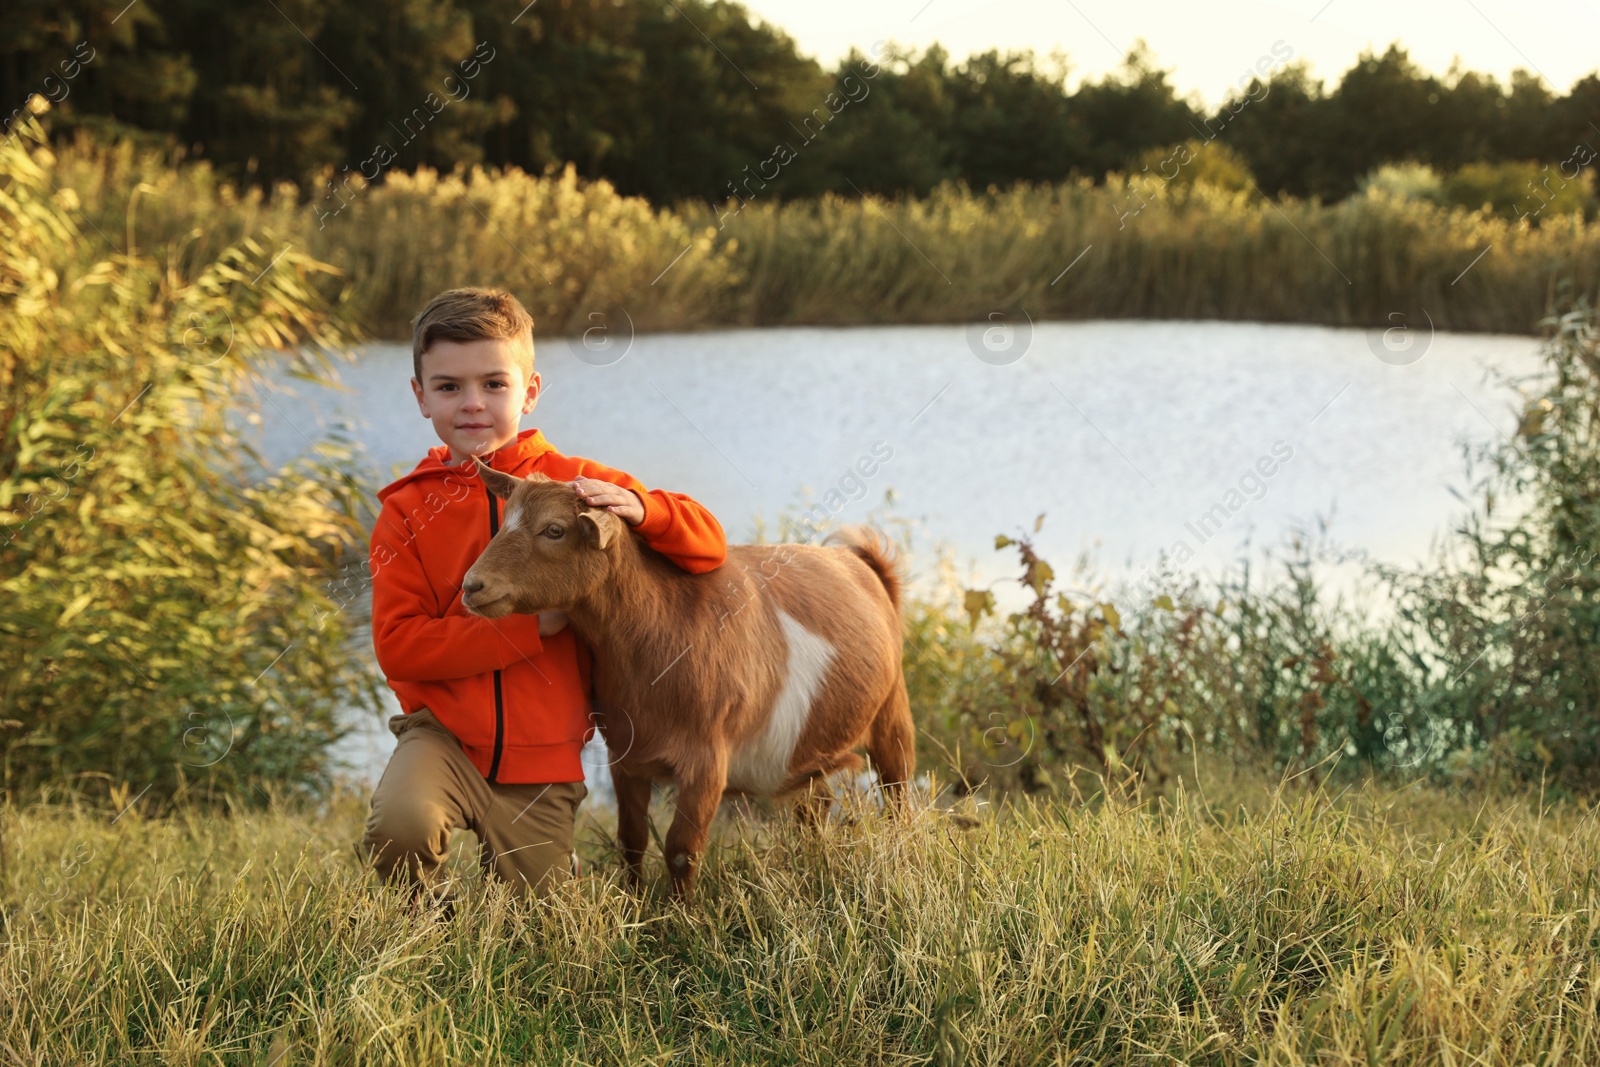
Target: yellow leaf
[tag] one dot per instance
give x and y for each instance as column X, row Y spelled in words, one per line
column 978, row 602
column 1039, row 575
column 1112, row 616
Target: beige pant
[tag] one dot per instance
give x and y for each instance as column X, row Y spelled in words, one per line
column 430, row 789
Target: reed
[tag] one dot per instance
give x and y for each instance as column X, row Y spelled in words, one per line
column 1135, row 248
column 1202, row 253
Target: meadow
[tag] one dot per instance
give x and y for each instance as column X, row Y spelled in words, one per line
column 1238, row 923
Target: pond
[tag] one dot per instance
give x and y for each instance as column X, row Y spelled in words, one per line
column 1203, row 440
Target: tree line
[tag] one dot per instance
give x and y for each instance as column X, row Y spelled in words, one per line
column 695, row 99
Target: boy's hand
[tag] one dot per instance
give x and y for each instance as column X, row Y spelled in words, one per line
column 623, row 503
column 552, row 622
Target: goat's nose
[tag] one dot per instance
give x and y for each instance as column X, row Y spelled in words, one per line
column 471, row 584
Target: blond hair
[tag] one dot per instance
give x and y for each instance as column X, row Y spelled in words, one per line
column 471, row 314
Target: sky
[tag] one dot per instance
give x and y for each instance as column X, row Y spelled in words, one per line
column 1208, row 44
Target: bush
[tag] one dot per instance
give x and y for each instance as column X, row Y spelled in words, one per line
column 1196, row 162
column 1115, row 691
column 1405, row 181
column 1505, row 643
column 1517, row 190
column 167, row 616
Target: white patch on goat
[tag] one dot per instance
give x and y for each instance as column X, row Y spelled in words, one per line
column 513, row 518
column 761, row 764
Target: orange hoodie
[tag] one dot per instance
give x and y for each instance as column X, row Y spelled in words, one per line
column 519, row 705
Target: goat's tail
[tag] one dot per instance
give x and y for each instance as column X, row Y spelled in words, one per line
column 876, row 552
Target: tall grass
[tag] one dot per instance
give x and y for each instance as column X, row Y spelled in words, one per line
column 1148, row 252
column 1404, row 927
column 572, row 249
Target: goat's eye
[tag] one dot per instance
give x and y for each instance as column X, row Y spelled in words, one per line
column 555, row 532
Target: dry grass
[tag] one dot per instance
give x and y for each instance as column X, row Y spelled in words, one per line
column 1200, row 254
column 573, row 250
column 1408, row 926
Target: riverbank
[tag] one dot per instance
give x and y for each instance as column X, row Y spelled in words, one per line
column 585, row 259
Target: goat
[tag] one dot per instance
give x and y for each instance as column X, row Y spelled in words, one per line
column 758, row 677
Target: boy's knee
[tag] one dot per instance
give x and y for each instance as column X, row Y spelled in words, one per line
column 409, row 833
column 528, row 834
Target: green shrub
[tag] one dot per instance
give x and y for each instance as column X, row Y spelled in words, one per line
column 1117, row 690
column 1516, row 190
column 1506, row 641
column 167, row 616
column 1405, row 181
column 1195, row 162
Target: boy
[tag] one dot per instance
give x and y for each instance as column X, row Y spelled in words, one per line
column 496, row 710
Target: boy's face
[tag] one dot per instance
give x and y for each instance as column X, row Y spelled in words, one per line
column 475, row 394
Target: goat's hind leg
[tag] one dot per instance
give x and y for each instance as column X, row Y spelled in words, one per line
column 892, row 744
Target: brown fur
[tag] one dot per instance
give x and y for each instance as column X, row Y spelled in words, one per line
column 688, row 668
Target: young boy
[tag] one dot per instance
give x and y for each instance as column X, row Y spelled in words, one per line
column 496, row 710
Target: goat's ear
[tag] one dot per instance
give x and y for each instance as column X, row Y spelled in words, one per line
column 603, row 523
column 499, row 483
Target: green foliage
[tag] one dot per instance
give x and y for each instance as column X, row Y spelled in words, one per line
column 1305, row 140
column 1153, row 252
column 165, row 619
column 569, row 248
column 1074, row 693
column 1406, row 181
column 687, row 100
column 1076, row 689
column 1522, row 190
column 1195, row 162
column 1502, row 644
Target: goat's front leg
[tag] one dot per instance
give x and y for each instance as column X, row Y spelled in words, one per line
column 700, row 790
column 633, row 822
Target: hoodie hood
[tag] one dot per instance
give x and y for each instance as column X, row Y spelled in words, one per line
column 513, row 458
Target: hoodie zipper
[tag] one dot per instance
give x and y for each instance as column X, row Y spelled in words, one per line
column 499, row 703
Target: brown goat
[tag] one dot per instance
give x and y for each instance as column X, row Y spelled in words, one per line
column 758, row 677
